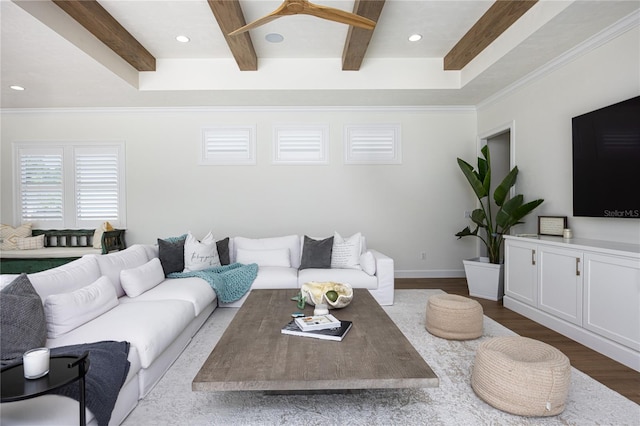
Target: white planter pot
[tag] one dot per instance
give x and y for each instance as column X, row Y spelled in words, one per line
column 485, row 280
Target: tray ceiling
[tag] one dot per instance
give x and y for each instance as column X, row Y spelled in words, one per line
column 47, row 48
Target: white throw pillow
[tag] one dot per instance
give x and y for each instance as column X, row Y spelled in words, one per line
column 136, row 281
column 68, row 311
column 291, row 242
column 9, row 234
column 199, row 255
column 271, row 257
column 97, row 235
column 113, row 263
column 368, row 263
column 346, row 251
column 30, row 243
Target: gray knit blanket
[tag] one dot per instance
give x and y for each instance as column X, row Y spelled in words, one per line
column 230, row 282
column 108, row 369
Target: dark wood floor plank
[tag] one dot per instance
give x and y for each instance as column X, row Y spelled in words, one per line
column 610, row 373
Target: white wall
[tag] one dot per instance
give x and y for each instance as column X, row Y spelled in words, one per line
column 402, row 209
column 542, row 112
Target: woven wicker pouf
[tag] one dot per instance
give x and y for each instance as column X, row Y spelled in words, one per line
column 454, row 317
column 521, row 376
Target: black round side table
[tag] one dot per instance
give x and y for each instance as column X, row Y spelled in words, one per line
column 63, row 369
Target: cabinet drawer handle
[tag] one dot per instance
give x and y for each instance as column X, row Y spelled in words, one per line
column 533, row 257
column 577, row 266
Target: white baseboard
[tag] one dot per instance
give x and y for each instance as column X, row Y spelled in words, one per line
column 441, row 273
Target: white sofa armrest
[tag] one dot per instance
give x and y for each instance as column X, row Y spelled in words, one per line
column 385, row 275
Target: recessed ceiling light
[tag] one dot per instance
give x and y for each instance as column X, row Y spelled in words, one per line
column 14, row 87
column 182, row 39
column 415, row 37
column 274, row 38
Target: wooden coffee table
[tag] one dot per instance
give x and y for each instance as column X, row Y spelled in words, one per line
column 252, row 354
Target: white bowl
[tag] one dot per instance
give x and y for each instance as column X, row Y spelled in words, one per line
column 315, row 293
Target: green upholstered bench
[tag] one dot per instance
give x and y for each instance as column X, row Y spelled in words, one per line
column 60, row 246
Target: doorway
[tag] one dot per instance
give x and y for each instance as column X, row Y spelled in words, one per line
column 501, row 148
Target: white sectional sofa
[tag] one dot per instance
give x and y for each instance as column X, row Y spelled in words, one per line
column 377, row 275
column 159, row 315
column 158, row 324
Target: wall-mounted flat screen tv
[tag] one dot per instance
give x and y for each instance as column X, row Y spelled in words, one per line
column 606, row 161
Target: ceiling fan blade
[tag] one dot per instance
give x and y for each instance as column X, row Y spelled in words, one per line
column 338, row 15
column 294, row 7
column 255, row 24
column 284, row 9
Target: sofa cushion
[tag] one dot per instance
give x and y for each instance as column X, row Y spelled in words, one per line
column 149, row 326
column 199, row 255
column 6, row 279
column 273, row 277
column 316, row 253
column 111, row 264
column 9, row 234
column 346, row 251
column 356, row 278
column 152, row 250
column 171, row 254
column 67, row 311
column 65, row 278
column 136, row 281
column 22, row 322
column 267, row 257
column 291, row 242
column 192, row 289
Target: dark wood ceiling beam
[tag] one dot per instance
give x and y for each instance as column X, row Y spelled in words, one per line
column 358, row 39
column 500, row 16
column 101, row 24
column 229, row 15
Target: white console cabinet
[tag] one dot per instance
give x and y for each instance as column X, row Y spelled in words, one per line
column 585, row 289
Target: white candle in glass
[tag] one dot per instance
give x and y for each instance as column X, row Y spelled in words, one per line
column 36, row 363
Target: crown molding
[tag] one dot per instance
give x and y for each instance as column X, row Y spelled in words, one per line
column 625, row 24
column 242, row 109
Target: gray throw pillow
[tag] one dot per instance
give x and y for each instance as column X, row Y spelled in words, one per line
column 171, row 254
column 316, row 253
column 223, row 251
column 22, row 322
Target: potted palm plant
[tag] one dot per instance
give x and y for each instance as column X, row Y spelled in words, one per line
column 485, row 275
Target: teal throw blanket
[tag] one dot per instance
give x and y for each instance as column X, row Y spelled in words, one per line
column 230, row 282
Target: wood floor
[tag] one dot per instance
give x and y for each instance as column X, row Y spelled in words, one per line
column 610, row 373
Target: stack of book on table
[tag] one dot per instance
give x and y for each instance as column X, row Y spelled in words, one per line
column 325, row 327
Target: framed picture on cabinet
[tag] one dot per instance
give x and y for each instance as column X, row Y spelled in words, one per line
column 551, row 225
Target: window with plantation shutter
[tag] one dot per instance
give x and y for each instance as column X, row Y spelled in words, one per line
column 301, row 144
column 372, row 144
column 228, row 145
column 97, row 184
column 79, row 185
column 41, row 185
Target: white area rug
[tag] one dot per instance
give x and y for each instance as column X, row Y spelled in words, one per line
column 172, row 402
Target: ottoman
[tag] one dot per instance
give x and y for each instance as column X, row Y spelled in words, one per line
column 454, row 317
column 521, row 376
